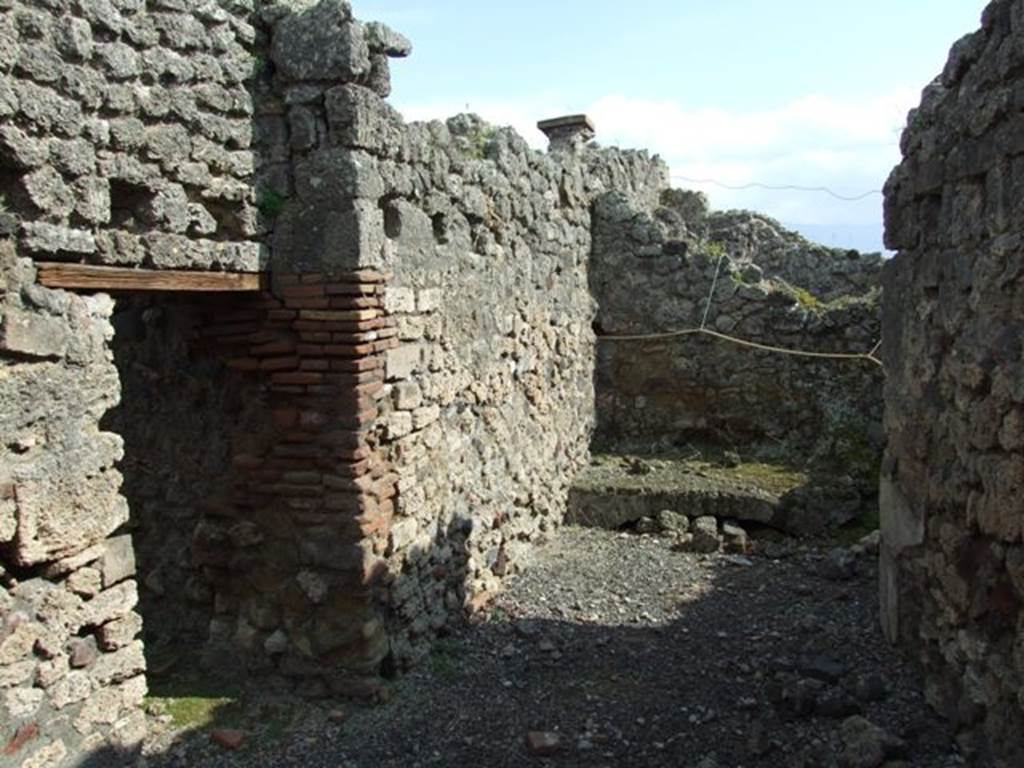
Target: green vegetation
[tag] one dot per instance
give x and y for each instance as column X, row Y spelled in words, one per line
column 802, row 296
column 198, row 702
column 671, row 474
column 444, row 659
column 859, row 527
column 270, row 202
column 196, row 712
column 480, row 139
column 852, row 450
column 195, row 702
column 715, row 250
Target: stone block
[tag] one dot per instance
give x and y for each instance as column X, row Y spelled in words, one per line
column 380, row 37
column 399, row 424
column 55, row 519
column 902, row 525
column 358, row 117
column 429, row 300
column 48, row 192
column 86, row 582
column 320, row 42
column 402, row 361
column 118, row 560
column 119, row 665
column 425, row 416
column 407, row 395
column 17, row 674
column 40, row 237
column 114, row 603
column 52, row 754
column 34, row 334
column 403, row 533
column 399, row 300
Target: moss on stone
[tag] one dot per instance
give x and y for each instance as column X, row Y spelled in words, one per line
column 669, row 473
column 196, row 712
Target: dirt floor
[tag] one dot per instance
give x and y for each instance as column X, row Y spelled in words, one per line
column 614, row 650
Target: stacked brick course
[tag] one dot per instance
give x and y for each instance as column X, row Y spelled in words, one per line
column 314, row 482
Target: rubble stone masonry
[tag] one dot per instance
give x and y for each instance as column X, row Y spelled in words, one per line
column 952, row 560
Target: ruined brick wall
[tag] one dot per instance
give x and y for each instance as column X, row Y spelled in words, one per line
column 652, row 271
column 488, row 407
column 182, row 409
column 952, row 577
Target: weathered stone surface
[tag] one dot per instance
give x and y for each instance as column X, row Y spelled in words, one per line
column 321, row 42
column 668, row 264
column 951, row 483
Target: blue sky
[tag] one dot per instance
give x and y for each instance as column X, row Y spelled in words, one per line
column 772, row 91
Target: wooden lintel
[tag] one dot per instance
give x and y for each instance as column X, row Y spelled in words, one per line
column 90, row 277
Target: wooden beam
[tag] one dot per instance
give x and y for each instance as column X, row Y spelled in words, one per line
column 89, row 277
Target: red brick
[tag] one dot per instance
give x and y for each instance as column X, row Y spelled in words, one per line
column 355, row 454
column 22, row 736
column 315, row 337
column 286, row 390
column 244, row 364
column 282, row 314
column 302, row 291
column 342, row 439
column 230, row 329
column 263, row 336
column 229, row 738
column 312, row 277
column 354, row 469
column 314, row 365
column 318, row 302
column 357, row 420
column 280, row 347
column 310, row 450
column 246, row 461
column 354, row 302
column 341, row 327
column 351, row 289
column 356, row 503
column 280, row 364
column 357, row 364
column 344, row 350
column 301, row 378
column 310, row 350
column 285, row 418
column 385, row 344
column 339, row 315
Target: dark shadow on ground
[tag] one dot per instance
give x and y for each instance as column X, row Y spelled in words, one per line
column 710, row 658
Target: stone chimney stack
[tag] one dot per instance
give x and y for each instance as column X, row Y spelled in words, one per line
column 567, row 134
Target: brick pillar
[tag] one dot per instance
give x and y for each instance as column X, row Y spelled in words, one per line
column 296, row 548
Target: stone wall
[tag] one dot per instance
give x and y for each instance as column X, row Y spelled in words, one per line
column 652, row 271
column 129, row 133
column 68, row 653
column 490, row 401
column 488, row 407
column 374, row 456
column 952, row 578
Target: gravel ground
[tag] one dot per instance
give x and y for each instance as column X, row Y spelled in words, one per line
column 614, row 650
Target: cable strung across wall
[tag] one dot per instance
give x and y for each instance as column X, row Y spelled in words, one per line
column 867, row 356
column 779, row 188
column 704, row 330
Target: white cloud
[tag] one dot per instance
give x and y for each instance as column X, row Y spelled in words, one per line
column 848, row 146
